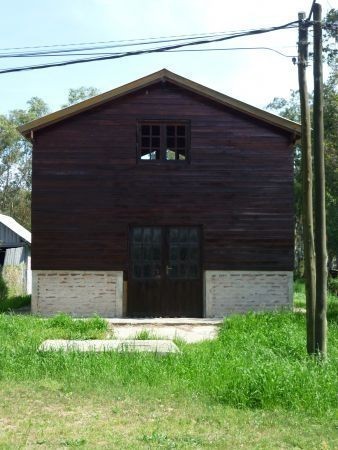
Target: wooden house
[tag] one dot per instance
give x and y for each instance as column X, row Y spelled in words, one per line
column 161, row 198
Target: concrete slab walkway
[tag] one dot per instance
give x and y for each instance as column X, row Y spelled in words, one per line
column 188, row 329
column 160, row 347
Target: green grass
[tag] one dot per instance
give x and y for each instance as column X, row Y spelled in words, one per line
column 50, row 418
column 332, row 299
column 258, row 361
column 253, row 387
column 144, row 335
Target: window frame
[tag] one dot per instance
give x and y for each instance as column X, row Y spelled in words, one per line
column 162, row 152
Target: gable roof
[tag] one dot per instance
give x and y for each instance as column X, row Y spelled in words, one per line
column 14, row 226
column 161, row 75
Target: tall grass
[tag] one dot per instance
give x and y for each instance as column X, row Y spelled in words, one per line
column 258, row 361
column 332, row 298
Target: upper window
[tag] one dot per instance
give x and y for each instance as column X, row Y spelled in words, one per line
column 166, row 141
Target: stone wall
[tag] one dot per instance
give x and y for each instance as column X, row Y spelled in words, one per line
column 241, row 291
column 79, row 293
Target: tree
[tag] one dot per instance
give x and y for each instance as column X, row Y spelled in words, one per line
column 16, row 161
column 331, row 155
column 80, row 94
column 330, row 35
column 290, row 109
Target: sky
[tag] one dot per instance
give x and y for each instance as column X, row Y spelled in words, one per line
column 255, row 77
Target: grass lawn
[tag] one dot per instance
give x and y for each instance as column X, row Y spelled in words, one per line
column 253, row 387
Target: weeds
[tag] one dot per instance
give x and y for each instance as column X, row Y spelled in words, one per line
column 144, row 335
column 63, row 324
column 258, row 361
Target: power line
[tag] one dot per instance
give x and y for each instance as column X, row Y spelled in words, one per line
column 151, row 50
column 71, row 51
column 65, row 51
column 127, row 40
column 176, row 51
column 233, row 48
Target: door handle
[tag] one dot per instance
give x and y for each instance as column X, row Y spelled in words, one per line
column 168, row 268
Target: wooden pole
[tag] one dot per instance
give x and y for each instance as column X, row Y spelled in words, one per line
column 307, row 210
column 319, row 172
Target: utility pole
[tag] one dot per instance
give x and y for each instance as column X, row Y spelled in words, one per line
column 319, row 172
column 307, row 210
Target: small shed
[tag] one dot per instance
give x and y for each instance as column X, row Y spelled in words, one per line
column 15, row 254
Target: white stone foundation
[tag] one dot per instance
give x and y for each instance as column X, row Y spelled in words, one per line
column 85, row 293
column 79, row 293
column 229, row 292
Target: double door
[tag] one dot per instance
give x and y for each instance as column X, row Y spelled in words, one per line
column 165, row 277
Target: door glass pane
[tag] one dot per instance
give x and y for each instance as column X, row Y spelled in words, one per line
column 183, row 253
column 146, row 245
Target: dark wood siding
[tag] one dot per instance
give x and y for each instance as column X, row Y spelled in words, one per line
column 88, row 187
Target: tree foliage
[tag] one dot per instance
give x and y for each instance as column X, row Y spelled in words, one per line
column 80, row 94
column 290, row 109
column 16, row 161
column 330, row 37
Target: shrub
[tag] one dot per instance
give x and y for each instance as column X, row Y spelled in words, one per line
column 12, row 303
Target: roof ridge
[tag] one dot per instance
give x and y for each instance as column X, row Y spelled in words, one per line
column 147, row 80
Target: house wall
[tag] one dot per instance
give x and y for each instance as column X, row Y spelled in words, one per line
column 88, row 187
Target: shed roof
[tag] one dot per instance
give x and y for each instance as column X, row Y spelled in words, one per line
column 15, row 227
column 161, row 75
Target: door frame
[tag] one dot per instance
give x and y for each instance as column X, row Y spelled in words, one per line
column 165, row 226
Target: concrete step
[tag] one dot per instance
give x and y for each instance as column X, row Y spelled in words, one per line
column 164, row 321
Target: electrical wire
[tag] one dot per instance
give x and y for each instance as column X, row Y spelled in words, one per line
column 233, row 48
column 65, row 51
column 128, row 40
column 177, row 51
column 151, row 50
